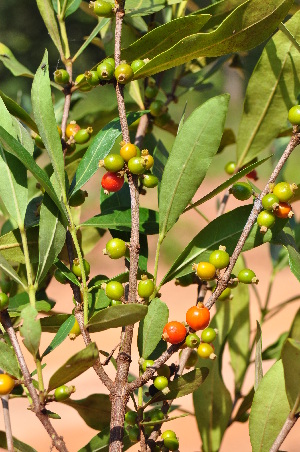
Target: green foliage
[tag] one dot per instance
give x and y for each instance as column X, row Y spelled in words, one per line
column 95, row 410
column 116, row 316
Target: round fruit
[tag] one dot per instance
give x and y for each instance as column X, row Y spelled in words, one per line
column 60, row 277
column 137, row 64
column 230, row 168
column 61, row 76
column 102, row 8
column 284, row 210
column 192, row 340
column 77, row 270
column 6, row 384
column 116, row 248
column 205, row 350
column 233, row 282
column 208, row 335
column 198, row 317
column 92, row 78
column 115, row 303
column 63, row 392
column 206, row 271
column 111, row 61
column 75, row 330
column 225, row 294
column 252, row 175
column 294, row 115
column 5, row 285
column 164, row 371
column 124, row 73
column 131, row 417
column 82, row 84
column 112, row 182
column 78, row 198
column 156, row 415
column 136, row 165
column 284, row 191
column 161, row 383
column 174, row 332
column 147, row 363
column 128, row 151
column 168, row 434
column 219, row 258
column 83, row 135
column 4, row 301
column 192, row 360
column 150, row 181
column 145, row 288
column 151, row 92
column 113, row 162
column 270, row 201
column 134, row 434
column 106, row 70
column 265, row 220
column 247, row 276
column 241, row 191
column 171, row 443
column 157, row 108
column 114, row 290
column 149, row 161
column 72, row 129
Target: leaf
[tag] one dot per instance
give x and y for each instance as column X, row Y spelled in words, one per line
column 31, row 329
column 45, row 119
column 70, row 6
column 258, row 359
column 12, row 64
column 295, row 328
column 8, row 360
column 60, row 336
column 67, row 272
column 274, row 350
column 75, row 366
column 219, row 11
column 17, row 111
column 23, row 136
column 136, row 94
column 245, row 406
column 269, row 411
column 19, row 446
column 291, row 365
column 101, row 24
column 271, row 92
column 143, row 7
column 162, row 38
column 160, row 155
column 121, row 220
column 247, row 26
column 189, row 160
column 52, row 323
column 11, row 245
column 100, row 442
column 116, row 316
column 52, row 236
column 98, row 149
column 286, row 239
column 47, row 14
column 95, row 410
column 20, row 301
column 8, row 270
column 151, row 327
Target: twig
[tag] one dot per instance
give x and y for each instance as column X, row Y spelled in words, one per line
column 7, row 424
column 287, row 426
column 141, row 130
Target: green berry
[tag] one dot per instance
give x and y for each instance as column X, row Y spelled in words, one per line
column 171, row 443
column 110, row 61
column 136, row 165
column 60, row 277
column 162, row 120
column 150, row 181
column 147, row 363
column 83, row 135
column 134, row 434
column 270, row 201
column 137, row 64
column 241, row 191
column 230, row 167
column 284, row 191
column 114, row 290
column 247, row 276
column 156, row 415
column 106, row 70
column 225, row 294
column 146, row 288
column 164, row 371
column 77, row 270
column 124, row 73
column 208, row 335
column 92, row 78
column 161, row 383
column 4, row 301
column 102, row 8
column 82, row 84
column 219, row 258
column 131, row 417
column 113, row 162
column 294, row 115
column 116, row 248
column 192, row 340
column 151, row 92
column 5, row 285
column 265, row 220
column 115, row 302
column 232, row 284
column 63, row 392
column 205, row 350
column 157, row 108
column 78, row 198
column 61, row 76
column 168, row 434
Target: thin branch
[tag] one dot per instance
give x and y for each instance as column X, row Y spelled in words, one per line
column 141, row 130
column 287, row 427
column 7, row 424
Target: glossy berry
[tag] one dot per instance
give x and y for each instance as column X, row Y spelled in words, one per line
column 230, row 167
column 208, row 335
column 83, row 135
column 294, row 115
column 284, row 191
column 114, row 290
column 7, row 384
column 124, row 73
column 63, row 392
column 156, row 415
column 75, row 330
column 270, row 201
column 112, row 182
column 150, row 181
column 113, row 162
column 128, row 151
column 284, row 210
column 102, row 8
column 5, row 285
column 110, row 61
column 131, row 417
column 198, row 317
column 60, row 277
column 134, row 434
column 247, row 276
column 105, row 70
column 147, row 363
column 136, row 165
column 241, row 191
column 137, row 64
column 115, row 248
column 205, row 350
column 115, row 302
column 77, row 270
column 72, row 129
column 171, row 443
column 151, row 92
column 192, row 340
column 225, row 294
column 92, row 78
column 206, row 271
column 164, row 371
column 157, row 108
column 78, row 198
column 265, row 220
column 219, row 258
column 61, row 76
column 4, row 301
column 146, row 288
column 252, row 175
column 160, row 383
column 82, row 84
column 168, row 434
column 174, row 332
column 149, row 161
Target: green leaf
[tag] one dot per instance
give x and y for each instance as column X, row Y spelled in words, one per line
column 286, row 239
column 20, row 301
column 31, row 329
column 274, row 350
column 67, row 272
column 52, row 323
column 100, row 442
column 8, row 360
column 269, row 411
column 191, row 155
column 295, row 328
column 12, row 64
column 8, row 270
column 45, row 119
column 143, row 7
column 151, row 327
column 60, row 336
column 120, row 219
column 11, row 245
column 48, row 16
column 19, row 446
column 23, row 136
column 95, row 410
column 219, row 11
column 17, row 111
column 101, row 24
column 271, row 92
column 98, row 149
column 291, row 365
column 116, row 316
column 75, row 366
column 258, row 358
column 160, row 155
column 247, row 26
column 162, row 38
column 52, row 235
column 70, row 6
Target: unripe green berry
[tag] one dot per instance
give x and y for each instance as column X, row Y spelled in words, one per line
column 225, row 294
column 171, row 443
column 77, row 270
column 208, row 335
column 192, row 340
column 294, row 115
column 92, row 78
column 157, row 108
column 192, row 360
column 241, row 191
column 63, row 392
column 105, row 70
column 136, row 165
column 162, row 120
column 113, row 162
column 147, row 363
column 115, row 302
column 161, row 383
column 219, row 258
column 115, row 248
column 151, row 92
column 134, row 434
column 205, row 350
column 110, row 61
column 82, row 84
column 146, row 288
column 114, row 290
column 124, row 73
column 230, row 167
column 247, row 276
column 150, row 181
column 137, row 64
column 102, row 8
column 168, row 434
column 61, row 76
column 284, row 191
column 270, row 201
column 265, row 220
column 131, row 417
column 83, row 135
column 4, row 301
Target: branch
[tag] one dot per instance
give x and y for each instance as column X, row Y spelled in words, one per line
column 6, row 416
column 287, row 426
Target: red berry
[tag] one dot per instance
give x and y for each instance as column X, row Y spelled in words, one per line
column 112, row 181
column 198, row 317
column 284, row 210
column 174, row 332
